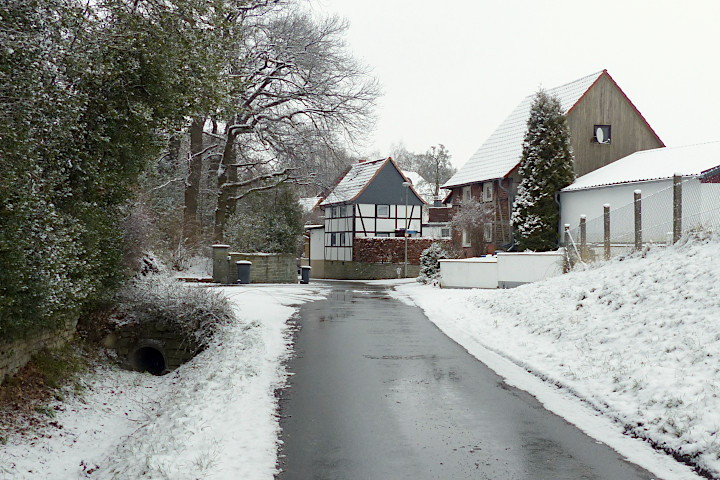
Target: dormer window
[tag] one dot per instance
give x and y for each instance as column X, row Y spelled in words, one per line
column 601, row 134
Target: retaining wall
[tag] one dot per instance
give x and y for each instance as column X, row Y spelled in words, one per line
column 339, row 270
column 265, row 268
column 16, row 354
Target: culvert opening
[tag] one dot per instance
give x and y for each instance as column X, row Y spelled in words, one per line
column 149, row 359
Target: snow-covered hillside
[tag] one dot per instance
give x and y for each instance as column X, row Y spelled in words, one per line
column 638, row 338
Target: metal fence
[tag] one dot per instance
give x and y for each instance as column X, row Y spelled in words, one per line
column 689, row 204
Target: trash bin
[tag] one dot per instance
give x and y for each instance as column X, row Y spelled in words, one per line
column 243, row 267
column 305, row 274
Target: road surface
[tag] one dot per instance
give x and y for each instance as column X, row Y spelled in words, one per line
column 378, row 392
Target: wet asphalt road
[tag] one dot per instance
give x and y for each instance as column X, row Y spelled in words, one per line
column 378, row 392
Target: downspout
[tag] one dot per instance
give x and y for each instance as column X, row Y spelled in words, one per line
column 511, row 200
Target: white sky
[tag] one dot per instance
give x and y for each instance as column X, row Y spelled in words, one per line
column 452, row 71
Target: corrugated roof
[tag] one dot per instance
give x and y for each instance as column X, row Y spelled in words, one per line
column 501, row 152
column 354, row 181
column 655, row 164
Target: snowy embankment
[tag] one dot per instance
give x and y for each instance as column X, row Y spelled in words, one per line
column 637, row 338
column 214, row 417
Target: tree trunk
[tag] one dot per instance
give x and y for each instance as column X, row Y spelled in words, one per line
column 191, row 225
column 228, row 173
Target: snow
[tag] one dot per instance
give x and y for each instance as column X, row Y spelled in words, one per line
column 214, row 417
column 635, row 339
column 655, row 164
column 352, row 184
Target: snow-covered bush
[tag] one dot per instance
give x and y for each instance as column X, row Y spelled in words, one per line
column 196, row 312
column 430, row 261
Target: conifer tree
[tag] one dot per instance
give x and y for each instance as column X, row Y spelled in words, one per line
column 546, row 167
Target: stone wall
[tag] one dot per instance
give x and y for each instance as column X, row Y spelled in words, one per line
column 175, row 347
column 390, row 250
column 16, row 354
column 339, row 270
column 266, row 267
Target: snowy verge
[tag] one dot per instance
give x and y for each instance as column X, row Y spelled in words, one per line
column 636, row 339
column 214, row 417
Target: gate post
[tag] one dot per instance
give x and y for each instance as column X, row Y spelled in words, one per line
column 221, row 268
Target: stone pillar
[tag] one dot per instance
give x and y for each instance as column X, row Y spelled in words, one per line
column 606, row 230
column 638, row 219
column 220, row 263
column 677, row 207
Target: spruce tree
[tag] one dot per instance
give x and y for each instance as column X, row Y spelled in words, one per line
column 546, row 167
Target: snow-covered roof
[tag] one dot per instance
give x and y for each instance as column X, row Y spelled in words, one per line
column 655, row 164
column 501, row 152
column 353, row 183
column 309, row 203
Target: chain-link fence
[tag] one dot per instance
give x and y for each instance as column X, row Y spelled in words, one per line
column 656, row 219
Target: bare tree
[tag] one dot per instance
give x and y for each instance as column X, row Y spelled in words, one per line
column 435, row 166
column 469, row 225
column 298, row 86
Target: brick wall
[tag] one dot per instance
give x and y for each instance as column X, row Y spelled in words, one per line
column 390, row 250
column 15, row 355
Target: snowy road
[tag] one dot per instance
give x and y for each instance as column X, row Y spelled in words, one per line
column 379, row 392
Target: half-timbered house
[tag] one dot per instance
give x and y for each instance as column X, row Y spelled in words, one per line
column 369, row 202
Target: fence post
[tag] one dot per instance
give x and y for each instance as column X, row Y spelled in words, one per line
column 583, row 238
column 606, row 230
column 220, row 263
column 677, row 207
column 568, row 259
column 638, row 219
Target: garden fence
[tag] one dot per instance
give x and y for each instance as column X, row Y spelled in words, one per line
column 662, row 218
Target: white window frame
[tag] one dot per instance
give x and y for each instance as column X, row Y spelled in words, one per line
column 487, row 232
column 382, row 235
column 443, row 232
column 379, row 215
column 488, row 192
column 333, row 240
column 466, row 193
column 466, row 239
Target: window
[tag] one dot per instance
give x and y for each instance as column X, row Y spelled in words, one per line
column 382, row 234
column 445, row 232
column 487, row 232
column 334, row 212
column 383, row 211
column 333, row 239
column 342, row 240
column 487, row 192
column 601, row 134
column 467, row 193
column 465, row 238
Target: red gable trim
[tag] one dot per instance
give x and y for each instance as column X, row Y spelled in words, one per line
column 605, row 73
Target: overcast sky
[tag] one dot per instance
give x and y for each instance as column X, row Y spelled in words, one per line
column 452, row 71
